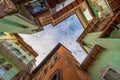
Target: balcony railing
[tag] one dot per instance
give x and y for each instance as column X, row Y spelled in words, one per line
column 93, row 54
column 108, row 28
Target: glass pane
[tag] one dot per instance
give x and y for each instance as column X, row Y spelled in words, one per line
column 2, row 72
column 54, row 77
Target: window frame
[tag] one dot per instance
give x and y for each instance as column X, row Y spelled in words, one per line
column 2, row 71
column 16, row 51
column 57, row 72
column 106, row 69
column 43, row 73
column 5, row 69
column 55, row 59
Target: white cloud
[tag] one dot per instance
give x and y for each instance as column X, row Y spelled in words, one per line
column 66, row 33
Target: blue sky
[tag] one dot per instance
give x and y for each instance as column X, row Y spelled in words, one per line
column 65, row 33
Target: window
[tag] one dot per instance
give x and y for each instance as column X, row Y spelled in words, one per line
column 35, row 6
column 23, row 26
column 55, row 60
column 111, row 74
column 7, row 67
column 4, row 69
column 20, row 59
column 16, row 52
column 43, row 73
column 7, row 44
column 48, row 61
column 2, row 34
column 23, row 58
column 56, row 75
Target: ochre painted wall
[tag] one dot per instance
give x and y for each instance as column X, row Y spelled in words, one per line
column 68, row 65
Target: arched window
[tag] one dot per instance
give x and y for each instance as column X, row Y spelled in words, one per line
column 4, row 69
column 7, row 67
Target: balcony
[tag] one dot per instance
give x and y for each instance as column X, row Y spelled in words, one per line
column 90, row 28
column 111, row 25
column 91, row 57
column 106, row 26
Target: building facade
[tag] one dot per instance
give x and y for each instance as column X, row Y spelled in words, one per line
column 96, row 9
column 55, row 11
column 33, row 13
column 101, row 41
column 17, row 19
column 52, row 11
column 99, row 26
column 59, row 65
column 102, row 64
column 15, row 56
column 84, row 9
